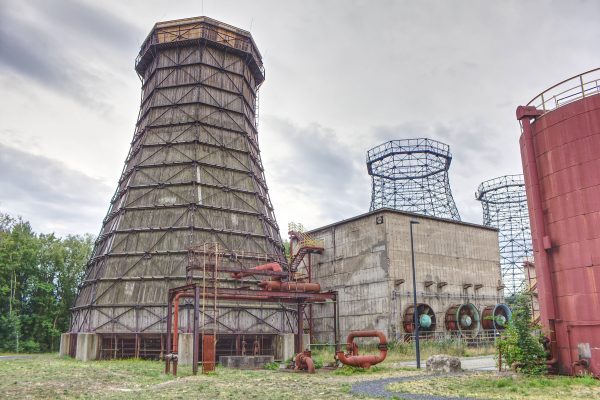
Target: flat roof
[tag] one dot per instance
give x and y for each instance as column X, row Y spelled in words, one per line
column 406, row 213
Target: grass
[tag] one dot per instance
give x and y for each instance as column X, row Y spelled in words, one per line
column 492, row 386
column 50, row 376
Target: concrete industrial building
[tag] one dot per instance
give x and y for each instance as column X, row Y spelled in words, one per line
column 367, row 260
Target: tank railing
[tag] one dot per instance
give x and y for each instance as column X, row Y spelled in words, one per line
column 568, row 91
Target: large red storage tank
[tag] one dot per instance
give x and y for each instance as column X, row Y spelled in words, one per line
column 560, row 149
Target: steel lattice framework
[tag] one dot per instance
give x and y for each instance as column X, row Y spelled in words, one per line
column 504, row 205
column 412, row 175
column 193, row 175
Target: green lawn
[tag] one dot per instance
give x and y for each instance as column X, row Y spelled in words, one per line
column 49, row 376
column 492, row 386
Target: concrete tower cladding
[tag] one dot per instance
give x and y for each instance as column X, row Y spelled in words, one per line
column 193, row 175
column 560, row 149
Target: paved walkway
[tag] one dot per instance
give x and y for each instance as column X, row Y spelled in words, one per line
column 482, row 363
column 378, row 388
column 12, row 357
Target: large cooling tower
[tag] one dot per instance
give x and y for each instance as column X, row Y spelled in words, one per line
column 193, row 175
column 560, row 148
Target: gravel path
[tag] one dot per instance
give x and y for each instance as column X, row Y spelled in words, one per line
column 377, row 388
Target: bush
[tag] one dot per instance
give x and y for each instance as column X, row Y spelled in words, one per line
column 272, row 366
column 520, row 345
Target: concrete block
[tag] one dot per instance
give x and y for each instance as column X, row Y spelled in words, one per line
column 88, row 347
column 245, row 362
column 65, row 344
column 284, row 346
column 185, row 351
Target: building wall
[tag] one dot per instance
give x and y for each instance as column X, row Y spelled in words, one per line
column 369, row 264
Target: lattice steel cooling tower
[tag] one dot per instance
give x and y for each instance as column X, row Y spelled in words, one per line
column 412, row 175
column 504, row 205
column 193, row 175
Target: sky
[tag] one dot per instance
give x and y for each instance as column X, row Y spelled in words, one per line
column 341, row 77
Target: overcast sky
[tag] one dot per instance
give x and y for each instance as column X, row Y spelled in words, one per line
column 342, row 77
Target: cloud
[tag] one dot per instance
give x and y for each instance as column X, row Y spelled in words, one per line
column 52, row 196
column 312, row 173
column 61, row 46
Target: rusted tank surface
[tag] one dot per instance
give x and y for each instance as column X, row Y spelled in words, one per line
column 560, row 149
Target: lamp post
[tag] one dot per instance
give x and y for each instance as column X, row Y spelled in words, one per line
column 416, row 310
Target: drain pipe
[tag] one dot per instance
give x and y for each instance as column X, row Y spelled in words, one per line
column 543, row 242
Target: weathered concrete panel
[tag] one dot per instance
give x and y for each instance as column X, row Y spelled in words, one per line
column 185, row 349
column 88, row 346
column 65, row 344
column 245, row 362
column 369, row 264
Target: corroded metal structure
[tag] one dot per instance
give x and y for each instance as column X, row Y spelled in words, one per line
column 412, row 175
column 504, row 205
column 193, row 175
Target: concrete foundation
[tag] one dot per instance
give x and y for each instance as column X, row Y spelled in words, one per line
column 185, row 351
column 65, row 344
column 88, row 346
column 284, row 345
column 245, row 362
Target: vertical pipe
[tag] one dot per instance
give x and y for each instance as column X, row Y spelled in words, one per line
column 336, row 325
column 544, row 279
column 169, row 327
column 299, row 344
column 416, row 310
column 195, row 329
column 537, row 219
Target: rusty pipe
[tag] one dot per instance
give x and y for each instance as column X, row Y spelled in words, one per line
column 176, row 319
column 300, row 287
column 308, row 287
column 270, row 285
column 366, row 361
column 304, row 362
column 272, row 266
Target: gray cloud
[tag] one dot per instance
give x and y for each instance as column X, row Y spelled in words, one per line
column 57, row 44
column 53, row 197
column 321, row 177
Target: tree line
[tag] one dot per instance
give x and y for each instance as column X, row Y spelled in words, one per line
column 39, row 277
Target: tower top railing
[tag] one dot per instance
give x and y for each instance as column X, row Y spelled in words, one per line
column 565, row 92
column 200, row 28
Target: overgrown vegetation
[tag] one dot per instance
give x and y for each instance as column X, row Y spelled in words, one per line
column 521, row 343
column 39, row 275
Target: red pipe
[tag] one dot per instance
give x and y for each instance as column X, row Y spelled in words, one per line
column 352, row 358
column 176, row 319
column 542, row 241
column 304, row 362
column 290, row 286
column 273, row 266
column 524, row 114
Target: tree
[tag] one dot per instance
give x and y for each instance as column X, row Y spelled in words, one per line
column 521, row 343
column 39, row 276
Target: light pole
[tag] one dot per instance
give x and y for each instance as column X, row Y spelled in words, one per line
column 415, row 309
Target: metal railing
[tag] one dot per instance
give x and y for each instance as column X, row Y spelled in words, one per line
column 201, row 30
column 572, row 89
